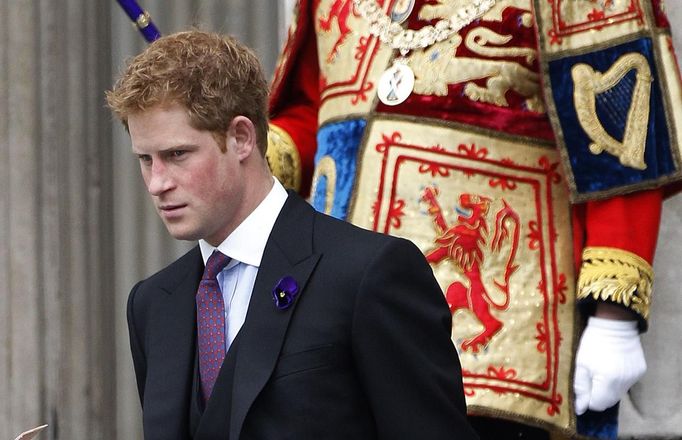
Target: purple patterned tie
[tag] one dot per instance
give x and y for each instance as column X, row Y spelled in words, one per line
column 211, row 323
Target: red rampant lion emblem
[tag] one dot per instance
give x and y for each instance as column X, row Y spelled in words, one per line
column 463, row 244
column 339, row 10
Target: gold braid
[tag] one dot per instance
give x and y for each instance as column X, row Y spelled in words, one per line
column 283, row 158
column 617, row 276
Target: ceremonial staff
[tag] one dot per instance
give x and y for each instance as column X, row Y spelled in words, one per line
column 141, row 19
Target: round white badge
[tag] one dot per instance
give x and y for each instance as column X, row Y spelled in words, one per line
column 395, row 84
column 401, row 10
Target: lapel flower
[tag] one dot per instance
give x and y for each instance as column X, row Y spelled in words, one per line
column 285, row 292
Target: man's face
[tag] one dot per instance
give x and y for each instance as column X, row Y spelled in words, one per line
column 197, row 189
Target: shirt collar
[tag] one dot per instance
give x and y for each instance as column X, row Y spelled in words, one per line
column 246, row 244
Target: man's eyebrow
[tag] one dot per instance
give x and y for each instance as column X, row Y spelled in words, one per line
column 167, row 149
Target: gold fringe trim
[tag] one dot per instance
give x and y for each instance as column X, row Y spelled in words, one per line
column 283, row 158
column 618, row 276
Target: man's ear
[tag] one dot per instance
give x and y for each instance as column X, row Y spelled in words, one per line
column 242, row 134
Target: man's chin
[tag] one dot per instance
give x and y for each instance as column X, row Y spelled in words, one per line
column 182, row 233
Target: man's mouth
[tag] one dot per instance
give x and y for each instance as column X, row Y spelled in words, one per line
column 171, row 208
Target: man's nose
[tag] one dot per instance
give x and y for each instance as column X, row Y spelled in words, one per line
column 159, row 179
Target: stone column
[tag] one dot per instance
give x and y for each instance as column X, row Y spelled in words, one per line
column 56, row 265
column 76, row 227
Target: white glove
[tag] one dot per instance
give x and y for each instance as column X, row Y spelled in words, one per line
column 609, row 361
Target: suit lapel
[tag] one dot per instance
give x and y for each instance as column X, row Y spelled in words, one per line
column 175, row 319
column 289, row 252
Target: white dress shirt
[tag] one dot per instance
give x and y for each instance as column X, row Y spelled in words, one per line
column 245, row 245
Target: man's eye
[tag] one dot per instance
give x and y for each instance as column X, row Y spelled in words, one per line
column 177, row 153
column 145, row 158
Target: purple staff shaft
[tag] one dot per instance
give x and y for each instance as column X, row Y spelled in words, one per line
column 141, row 19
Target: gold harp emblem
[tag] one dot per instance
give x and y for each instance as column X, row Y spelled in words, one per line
column 589, row 83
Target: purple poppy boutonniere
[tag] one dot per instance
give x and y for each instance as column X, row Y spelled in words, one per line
column 285, row 292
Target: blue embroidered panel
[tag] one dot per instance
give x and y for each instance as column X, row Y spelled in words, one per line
column 599, row 172
column 340, row 141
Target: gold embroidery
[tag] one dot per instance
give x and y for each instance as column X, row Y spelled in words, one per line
column 430, row 12
column 326, row 168
column 434, row 69
column 460, row 158
column 589, row 83
column 283, row 158
column 478, row 40
column 615, row 275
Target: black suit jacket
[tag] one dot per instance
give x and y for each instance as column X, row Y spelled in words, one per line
column 363, row 353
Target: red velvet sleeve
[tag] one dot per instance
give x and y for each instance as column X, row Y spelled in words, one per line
column 620, row 236
column 629, row 222
column 297, row 102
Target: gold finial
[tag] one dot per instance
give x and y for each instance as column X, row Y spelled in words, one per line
column 143, row 20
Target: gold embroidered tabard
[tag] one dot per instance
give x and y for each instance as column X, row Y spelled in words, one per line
column 489, row 210
column 491, row 215
column 352, row 60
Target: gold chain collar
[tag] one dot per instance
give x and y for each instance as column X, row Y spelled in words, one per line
column 405, row 40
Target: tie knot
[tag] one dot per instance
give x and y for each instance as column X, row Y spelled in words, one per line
column 215, row 264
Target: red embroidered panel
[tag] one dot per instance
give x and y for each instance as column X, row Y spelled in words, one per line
column 602, row 15
column 400, row 160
